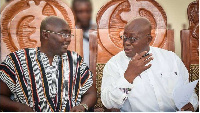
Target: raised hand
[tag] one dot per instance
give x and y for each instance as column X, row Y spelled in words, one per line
column 137, row 65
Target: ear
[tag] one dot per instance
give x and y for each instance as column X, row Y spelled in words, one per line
column 149, row 39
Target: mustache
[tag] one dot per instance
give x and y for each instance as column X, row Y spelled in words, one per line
column 66, row 43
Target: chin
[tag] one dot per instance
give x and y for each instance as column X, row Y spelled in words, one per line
column 64, row 51
column 129, row 55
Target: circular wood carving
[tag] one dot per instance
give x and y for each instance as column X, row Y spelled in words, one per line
column 21, row 19
column 113, row 16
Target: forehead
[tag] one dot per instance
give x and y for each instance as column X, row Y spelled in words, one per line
column 84, row 4
column 59, row 26
column 131, row 33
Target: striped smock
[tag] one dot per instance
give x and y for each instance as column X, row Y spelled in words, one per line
column 44, row 87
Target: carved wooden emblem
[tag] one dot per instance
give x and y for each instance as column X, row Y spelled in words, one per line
column 193, row 17
column 113, row 16
column 190, row 38
column 21, row 19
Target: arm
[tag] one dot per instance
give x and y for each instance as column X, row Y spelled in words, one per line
column 6, row 104
column 7, row 86
column 87, row 89
column 89, row 98
column 112, row 81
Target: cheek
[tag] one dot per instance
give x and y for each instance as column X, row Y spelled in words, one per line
column 55, row 42
column 140, row 47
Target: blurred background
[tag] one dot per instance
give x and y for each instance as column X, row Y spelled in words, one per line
column 176, row 11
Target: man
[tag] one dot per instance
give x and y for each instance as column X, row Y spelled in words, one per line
column 83, row 12
column 47, row 78
column 135, row 81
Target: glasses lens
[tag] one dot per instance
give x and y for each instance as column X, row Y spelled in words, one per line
column 67, row 36
column 131, row 39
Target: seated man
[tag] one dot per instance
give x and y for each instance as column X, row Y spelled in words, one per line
column 47, row 78
column 142, row 78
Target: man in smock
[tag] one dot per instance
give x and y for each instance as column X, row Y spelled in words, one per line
column 47, row 78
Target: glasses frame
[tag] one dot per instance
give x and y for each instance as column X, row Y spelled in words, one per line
column 132, row 39
column 63, row 35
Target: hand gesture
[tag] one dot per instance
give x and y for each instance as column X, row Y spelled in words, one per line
column 137, row 65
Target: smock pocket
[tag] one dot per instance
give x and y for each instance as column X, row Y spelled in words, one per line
column 169, row 80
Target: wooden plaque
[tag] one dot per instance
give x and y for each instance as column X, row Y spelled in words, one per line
column 21, row 19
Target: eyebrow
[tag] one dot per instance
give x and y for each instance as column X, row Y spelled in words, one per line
column 65, row 31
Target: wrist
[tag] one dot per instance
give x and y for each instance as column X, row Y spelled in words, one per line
column 17, row 106
column 129, row 77
column 85, row 106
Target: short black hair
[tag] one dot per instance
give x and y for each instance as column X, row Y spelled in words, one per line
column 50, row 21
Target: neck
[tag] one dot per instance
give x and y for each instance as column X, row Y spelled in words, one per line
column 148, row 49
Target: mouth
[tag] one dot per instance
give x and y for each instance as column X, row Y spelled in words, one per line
column 65, row 45
column 127, row 50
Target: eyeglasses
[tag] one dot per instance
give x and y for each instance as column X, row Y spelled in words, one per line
column 131, row 39
column 63, row 35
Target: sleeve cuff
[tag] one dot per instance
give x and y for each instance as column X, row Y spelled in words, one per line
column 123, row 83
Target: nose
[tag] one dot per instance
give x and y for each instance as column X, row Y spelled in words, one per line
column 127, row 42
column 67, row 40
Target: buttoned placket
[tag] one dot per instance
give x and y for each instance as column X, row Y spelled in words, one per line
column 156, row 89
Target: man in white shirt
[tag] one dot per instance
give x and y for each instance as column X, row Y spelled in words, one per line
column 136, row 81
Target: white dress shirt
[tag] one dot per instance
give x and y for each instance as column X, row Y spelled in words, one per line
column 151, row 91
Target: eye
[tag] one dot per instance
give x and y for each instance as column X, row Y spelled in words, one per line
column 65, row 35
column 134, row 39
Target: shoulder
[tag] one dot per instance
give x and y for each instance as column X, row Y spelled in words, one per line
column 25, row 51
column 164, row 53
column 18, row 55
column 118, row 57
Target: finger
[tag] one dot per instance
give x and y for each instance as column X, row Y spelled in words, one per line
column 142, row 54
column 189, row 109
column 139, row 56
column 192, row 109
column 146, row 57
column 147, row 67
column 148, row 60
